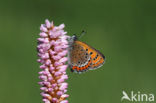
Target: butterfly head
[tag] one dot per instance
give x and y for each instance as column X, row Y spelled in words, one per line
column 72, row 39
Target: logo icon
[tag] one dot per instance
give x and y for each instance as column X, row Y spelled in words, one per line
column 125, row 96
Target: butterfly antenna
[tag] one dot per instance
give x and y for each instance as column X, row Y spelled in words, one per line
column 82, row 33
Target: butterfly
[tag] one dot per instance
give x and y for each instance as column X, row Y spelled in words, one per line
column 83, row 57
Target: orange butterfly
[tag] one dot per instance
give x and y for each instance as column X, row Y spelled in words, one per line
column 82, row 57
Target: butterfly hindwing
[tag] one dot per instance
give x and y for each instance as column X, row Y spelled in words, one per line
column 97, row 60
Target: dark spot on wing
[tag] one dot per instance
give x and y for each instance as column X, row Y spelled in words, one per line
column 97, row 56
column 100, row 53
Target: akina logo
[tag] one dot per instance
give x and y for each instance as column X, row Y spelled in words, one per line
column 137, row 96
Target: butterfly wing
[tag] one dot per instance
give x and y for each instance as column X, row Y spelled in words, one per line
column 83, row 57
column 98, row 59
column 79, row 58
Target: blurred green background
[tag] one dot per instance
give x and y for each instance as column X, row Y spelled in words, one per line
column 123, row 30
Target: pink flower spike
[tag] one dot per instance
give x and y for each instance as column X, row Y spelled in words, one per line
column 52, row 48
